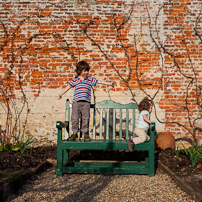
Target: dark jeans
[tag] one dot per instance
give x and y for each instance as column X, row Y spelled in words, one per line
column 80, row 108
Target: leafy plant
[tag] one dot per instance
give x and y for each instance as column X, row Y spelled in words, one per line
column 177, row 151
column 2, row 148
column 20, row 145
column 194, row 154
column 9, row 147
column 24, row 145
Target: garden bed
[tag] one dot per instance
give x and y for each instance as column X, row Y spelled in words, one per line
column 180, row 166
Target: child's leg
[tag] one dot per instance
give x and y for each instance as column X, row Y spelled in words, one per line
column 85, row 111
column 142, row 136
column 75, row 117
column 130, row 145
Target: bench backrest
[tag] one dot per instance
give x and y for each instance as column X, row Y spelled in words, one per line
column 111, row 115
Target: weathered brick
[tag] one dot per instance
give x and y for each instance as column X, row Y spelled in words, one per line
column 42, row 49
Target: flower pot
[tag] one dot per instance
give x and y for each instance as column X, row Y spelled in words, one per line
column 165, row 140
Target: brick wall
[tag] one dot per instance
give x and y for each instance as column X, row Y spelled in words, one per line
column 147, row 47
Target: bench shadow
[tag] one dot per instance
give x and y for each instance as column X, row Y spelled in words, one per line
column 82, row 188
column 88, row 191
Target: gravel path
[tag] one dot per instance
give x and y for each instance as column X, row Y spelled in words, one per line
column 46, row 187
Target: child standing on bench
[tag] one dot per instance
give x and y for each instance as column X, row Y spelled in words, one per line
column 142, row 126
column 82, row 98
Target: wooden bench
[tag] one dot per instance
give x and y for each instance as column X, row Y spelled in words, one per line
column 115, row 138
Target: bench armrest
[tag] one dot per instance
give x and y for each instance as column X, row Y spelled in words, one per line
column 152, row 132
column 61, row 125
column 152, row 126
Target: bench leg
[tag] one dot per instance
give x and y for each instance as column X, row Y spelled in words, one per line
column 59, row 162
column 58, row 173
column 62, row 158
column 65, row 156
column 146, row 162
column 151, row 154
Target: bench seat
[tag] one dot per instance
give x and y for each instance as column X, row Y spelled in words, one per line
column 102, row 145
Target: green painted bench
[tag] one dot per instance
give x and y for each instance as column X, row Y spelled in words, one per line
column 113, row 135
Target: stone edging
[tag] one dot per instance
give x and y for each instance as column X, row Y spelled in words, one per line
column 9, row 186
column 181, row 183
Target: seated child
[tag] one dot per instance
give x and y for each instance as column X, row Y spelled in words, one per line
column 142, row 126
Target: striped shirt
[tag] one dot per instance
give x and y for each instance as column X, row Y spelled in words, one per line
column 82, row 89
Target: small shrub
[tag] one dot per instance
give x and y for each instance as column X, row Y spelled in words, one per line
column 24, row 145
column 193, row 153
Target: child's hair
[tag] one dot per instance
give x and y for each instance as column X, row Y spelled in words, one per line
column 82, row 65
column 145, row 104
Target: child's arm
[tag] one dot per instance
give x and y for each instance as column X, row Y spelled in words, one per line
column 64, row 91
column 108, row 83
column 146, row 119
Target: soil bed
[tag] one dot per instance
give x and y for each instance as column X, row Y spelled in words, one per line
column 181, row 166
column 14, row 161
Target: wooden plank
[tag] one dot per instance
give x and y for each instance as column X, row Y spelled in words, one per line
column 120, row 125
column 109, row 161
column 107, row 125
column 127, row 124
column 59, row 170
column 106, row 164
column 67, row 110
column 102, row 145
column 114, row 124
column 101, row 112
column 66, row 131
column 114, row 105
column 94, row 124
column 101, row 169
column 133, row 122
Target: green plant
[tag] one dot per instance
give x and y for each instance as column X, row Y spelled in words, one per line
column 2, row 147
column 9, row 147
column 177, row 151
column 194, row 154
column 24, row 145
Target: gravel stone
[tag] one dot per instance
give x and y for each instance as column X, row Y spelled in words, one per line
column 46, row 187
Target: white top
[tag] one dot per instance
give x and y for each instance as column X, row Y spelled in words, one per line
column 141, row 123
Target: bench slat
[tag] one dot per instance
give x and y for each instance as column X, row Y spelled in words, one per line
column 101, row 164
column 67, row 119
column 114, row 124
column 101, row 112
column 140, row 169
column 94, row 124
column 104, row 145
column 107, row 125
column 127, row 124
column 120, row 126
column 133, row 121
column 113, row 105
